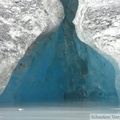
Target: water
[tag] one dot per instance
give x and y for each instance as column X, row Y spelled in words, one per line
column 56, row 112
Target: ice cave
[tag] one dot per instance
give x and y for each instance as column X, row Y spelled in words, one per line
column 73, row 59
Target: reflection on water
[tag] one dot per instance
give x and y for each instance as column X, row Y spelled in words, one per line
column 69, row 111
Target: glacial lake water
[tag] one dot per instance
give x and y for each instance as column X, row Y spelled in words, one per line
column 71, row 111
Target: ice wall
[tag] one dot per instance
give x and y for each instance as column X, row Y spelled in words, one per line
column 59, row 67
column 21, row 22
column 97, row 25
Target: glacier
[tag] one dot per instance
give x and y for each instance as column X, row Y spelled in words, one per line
column 97, row 24
column 62, row 66
column 21, row 22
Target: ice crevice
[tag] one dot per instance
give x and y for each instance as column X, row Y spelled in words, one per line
column 67, row 63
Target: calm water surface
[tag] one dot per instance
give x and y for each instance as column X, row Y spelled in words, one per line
column 56, row 112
